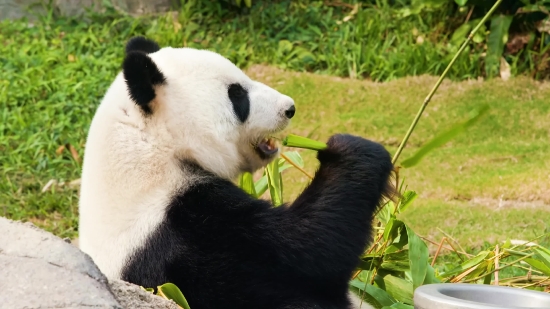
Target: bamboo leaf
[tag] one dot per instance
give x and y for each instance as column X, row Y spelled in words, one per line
column 274, row 182
column 246, row 182
column 476, row 260
column 384, row 214
column 406, row 201
column 396, row 261
column 418, row 258
column 381, row 296
column 430, row 276
column 398, row 306
column 261, row 185
column 391, row 231
column 150, row 290
column 538, row 265
column 395, row 266
column 460, row 34
column 543, row 255
column 498, row 36
column 171, row 291
column 478, row 270
column 467, row 264
column 402, row 239
column 444, row 137
column 369, row 299
column 295, row 157
column 369, row 263
column 488, row 271
column 461, row 2
column 517, row 253
column 400, row 289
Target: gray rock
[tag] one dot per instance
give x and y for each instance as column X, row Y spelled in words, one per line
column 143, row 6
column 132, row 296
column 13, row 9
column 40, row 270
column 35, row 283
column 76, row 7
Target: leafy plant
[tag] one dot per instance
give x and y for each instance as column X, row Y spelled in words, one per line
column 519, row 23
column 171, row 292
column 271, row 178
column 248, row 3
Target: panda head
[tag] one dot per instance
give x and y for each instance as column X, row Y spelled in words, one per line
column 197, row 106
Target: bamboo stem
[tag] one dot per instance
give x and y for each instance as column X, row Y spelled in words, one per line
column 501, row 268
column 535, row 283
column 449, row 238
column 438, row 249
column 440, row 80
column 296, row 166
column 496, row 264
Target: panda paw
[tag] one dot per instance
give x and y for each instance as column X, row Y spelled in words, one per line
column 350, row 148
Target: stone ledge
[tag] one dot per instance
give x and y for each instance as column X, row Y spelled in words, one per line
column 40, row 270
column 15, row 9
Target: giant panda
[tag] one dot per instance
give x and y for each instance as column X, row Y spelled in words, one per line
column 158, row 200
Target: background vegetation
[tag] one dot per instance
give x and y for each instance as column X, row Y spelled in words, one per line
column 361, row 67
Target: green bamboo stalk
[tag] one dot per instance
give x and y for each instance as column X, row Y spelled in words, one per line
column 440, row 80
column 293, row 140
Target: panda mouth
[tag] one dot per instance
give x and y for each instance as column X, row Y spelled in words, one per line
column 266, row 148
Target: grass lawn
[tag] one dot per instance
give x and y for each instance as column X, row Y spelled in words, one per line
column 489, row 184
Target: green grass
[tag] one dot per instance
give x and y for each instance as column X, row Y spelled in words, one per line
column 309, row 36
column 55, row 72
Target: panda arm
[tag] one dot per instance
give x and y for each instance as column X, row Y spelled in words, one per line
column 314, row 242
column 328, row 226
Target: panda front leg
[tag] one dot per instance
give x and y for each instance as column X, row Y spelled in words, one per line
column 323, row 233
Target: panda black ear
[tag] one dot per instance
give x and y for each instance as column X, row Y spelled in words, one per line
column 142, row 44
column 141, row 75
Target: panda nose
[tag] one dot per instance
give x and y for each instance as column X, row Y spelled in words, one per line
column 289, row 113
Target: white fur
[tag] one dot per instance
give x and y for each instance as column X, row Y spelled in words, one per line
column 131, row 163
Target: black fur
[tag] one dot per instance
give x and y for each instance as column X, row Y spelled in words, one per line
column 239, row 98
column 141, row 75
column 227, row 250
column 141, row 44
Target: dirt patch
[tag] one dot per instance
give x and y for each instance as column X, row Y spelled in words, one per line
column 507, row 204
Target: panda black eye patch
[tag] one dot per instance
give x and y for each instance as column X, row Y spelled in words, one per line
column 240, row 100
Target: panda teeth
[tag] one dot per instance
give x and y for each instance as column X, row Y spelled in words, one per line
column 269, row 143
column 267, row 146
